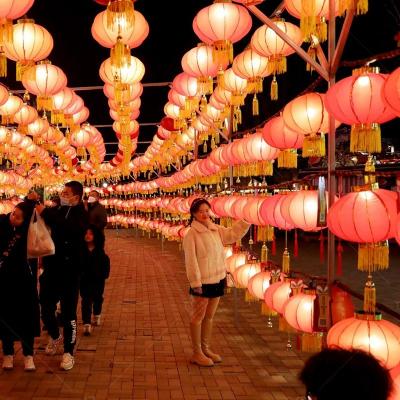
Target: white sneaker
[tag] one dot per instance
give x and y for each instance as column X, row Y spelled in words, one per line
column 87, row 330
column 97, row 320
column 67, row 362
column 52, row 347
column 29, row 364
column 8, row 362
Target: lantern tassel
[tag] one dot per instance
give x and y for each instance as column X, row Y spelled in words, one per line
column 120, row 54
column 339, row 263
column 373, row 256
column 3, row 64
column 369, row 296
column 274, row 89
column 222, row 52
column 321, row 247
column 287, row 158
column 256, row 107
column 311, row 342
column 44, row 103
column 120, row 15
column 265, row 310
column 314, row 146
column 249, row 298
column 286, row 261
column 264, row 253
column 365, row 138
column 273, row 247
column 312, row 52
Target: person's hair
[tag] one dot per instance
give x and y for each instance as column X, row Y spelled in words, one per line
column 195, row 206
column 98, row 236
column 95, row 191
column 26, row 208
column 76, row 188
column 341, row 374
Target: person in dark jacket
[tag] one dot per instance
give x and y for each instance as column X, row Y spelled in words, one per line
column 59, row 281
column 95, row 273
column 19, row 303
column 97, row 212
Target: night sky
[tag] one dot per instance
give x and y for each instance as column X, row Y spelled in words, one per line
column 171, row 35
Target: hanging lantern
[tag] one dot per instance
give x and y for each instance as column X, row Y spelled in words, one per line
column 199, row 63
column 220, row 25
column 74, row 107
column 187, row 86
column 268, row 44
column 44, row 80
column 280, row 136
column 61, row 100
column 307, row 114
column 391, row 91
column 357, row 101
column 120, row 15
column 4, row 95
column 38, row 127
column 257, row 286
column 367, row 217
column 25, row 116
column 30, row 43
column 9, row 108
column 243, row 274
column 235, row 261
column 132, row 36
column 81, row 116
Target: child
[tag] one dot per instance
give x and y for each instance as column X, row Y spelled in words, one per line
column 96, row 271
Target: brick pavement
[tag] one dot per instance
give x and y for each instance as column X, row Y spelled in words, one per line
column 141, row 349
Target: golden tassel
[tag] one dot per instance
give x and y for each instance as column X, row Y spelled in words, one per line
column 360, row 6
column 3, row 63
column 203, row 103
column 286, row 261
column 308, row 24
column 44, row 103
column 314, row 146
column 366, row 138
column 249, row 298
column 287, row 158
column 205, row 147
column 373, row 256
column 57, row 118
column 264, row 253
column 274, row 89
column 269, row 312
column 256, row 108
column 220, row 79
column 120, row 15
column 277, row 64
column 21, row 67
column 322, row 30
column 369, row 296
column 6, row 31
column 222, row 52
column 217, row 138
column 120, row 54
column 312, row 52
column 205, row 85
column 284, row 326
column 312, row 342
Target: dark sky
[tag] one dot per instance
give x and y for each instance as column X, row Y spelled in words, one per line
column 171, row 35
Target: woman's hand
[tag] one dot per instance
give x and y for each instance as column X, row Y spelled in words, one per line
column 198, row 290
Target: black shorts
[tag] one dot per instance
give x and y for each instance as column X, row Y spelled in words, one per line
column 211, row 290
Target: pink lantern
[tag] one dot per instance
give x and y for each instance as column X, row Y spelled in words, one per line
column 235, row 261
column 391, row 91
column 299, row 312
column 244, row 273
column 276, row 295
column 259, row 283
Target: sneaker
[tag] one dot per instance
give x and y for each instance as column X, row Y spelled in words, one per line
column 8, row 362
column 53, row 346
column 87, row 330
column 97, row 320
column 67, row 362
column 29, row 364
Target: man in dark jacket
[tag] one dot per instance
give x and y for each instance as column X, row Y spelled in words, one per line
column 60, row 278
column 97, row 212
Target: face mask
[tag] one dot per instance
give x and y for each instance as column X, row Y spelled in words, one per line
column 64, row 201
column 92, row 199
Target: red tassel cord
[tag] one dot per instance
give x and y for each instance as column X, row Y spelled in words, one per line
column 339, row 262
column 255, row 236
column 273, row 247
column 296, row 245
column 321, row 247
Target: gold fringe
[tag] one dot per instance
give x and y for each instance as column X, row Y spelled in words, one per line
column 312, row 342
column 7, row 119
column 265, row 233
column 322, row 30
column 312, row 52
column 369, row 296
column 222, row 52
column 203, row 103
column 118, row 11
column 373, row 256
column 287, row 158
column 314, row 146
column 44, row 103
column 361, row 6
column 249, row 298
column 269, row 312
column 6, row 31
column 205, row 147
column 308, row 24
column 120, row 54
column 286, row 261
column 264, row 253
column 277, row 64
column 81, row 152
column 220, row 79
column 57, row 118
column 21, row 67
column 3, row 64
column 274, row 89
column 366, row 138
column 205, row 85
column 256, row 108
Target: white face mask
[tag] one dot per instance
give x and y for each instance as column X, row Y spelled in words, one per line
column 91, row 199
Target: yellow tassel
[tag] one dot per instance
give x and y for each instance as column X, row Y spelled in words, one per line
column 274, row 89
column 269, row 312
column 222, row 52
column 312, row 52
column 120, row 54
column 205, row 147
column 314, row 146
column 7, row 119
column 220, row 79
column 205, row 85
column 373, row 256
column 203, row 103
column 360, row 6
column 287, row 158
column 308, row 24
column 3, row 64
column 286, row 261
column 217, row 138
column 312, row 342
column 322, row 30
column 57, row 118
column 21, row 67
column 249, row 298
column 120, row 15
column 44, row 103
column 6, row 31
column 369, row 296
column 256, row 108
column 365, row 138
column 277, row 64
column 264, row 253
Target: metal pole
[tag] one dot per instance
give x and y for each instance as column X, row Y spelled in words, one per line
column 331, row 142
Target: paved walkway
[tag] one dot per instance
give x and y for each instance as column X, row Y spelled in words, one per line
column 141, row 349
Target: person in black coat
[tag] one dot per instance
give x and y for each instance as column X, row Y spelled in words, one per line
column 59, row 281
column 97, row 212
column 95, row 273
column 19, row 303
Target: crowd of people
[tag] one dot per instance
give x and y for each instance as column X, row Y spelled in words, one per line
column 79, row 266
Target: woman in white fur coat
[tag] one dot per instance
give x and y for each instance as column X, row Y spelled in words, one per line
column 206, row 272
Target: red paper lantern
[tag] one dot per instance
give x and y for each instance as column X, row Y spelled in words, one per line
column 299, row 312
column 277, row 295
column 341, row 306
column 244, row 273
column 391, row 91
column 259, row 283
column 235, row 261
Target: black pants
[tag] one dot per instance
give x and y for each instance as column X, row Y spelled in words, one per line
column 27, row 346
column 92, row 299
column 64, row 289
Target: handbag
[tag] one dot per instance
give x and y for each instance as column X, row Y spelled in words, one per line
column 39, row 243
